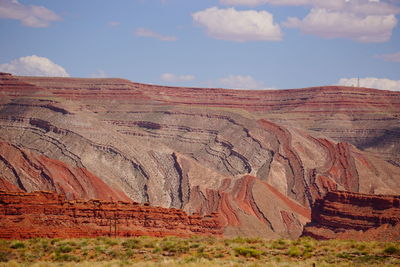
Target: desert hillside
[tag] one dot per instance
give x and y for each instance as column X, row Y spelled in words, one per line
column 258, row 158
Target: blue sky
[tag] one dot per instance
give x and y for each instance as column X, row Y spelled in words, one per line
column 250, row 44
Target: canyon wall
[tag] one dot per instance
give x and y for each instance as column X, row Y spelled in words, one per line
column 28, row 171
column 349, row 215
column 239, row 153
column 47, row 214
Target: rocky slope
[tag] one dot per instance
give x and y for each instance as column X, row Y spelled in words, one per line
column 32, row 172
column 366, row 118
column 252, row 156
column 47, row 214
column 348, row 215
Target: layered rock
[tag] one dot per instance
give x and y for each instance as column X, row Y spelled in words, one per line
column 47, row 214
column 25, row 170
column 238, row 153
column 348, row 215
column 366, row 118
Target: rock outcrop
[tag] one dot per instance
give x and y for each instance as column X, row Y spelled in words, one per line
column 255, row 157
column 47, row 214
column 348, row 215
column 25, row 170
column 366, row 118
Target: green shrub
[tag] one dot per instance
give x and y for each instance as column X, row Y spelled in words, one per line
column 45, row 246
column 132, row 243
column 172, row 246
column 54, row 241
column 157, row 250
column 279, row 244
column 219, row 255
column 248, row 252
column 194, row 245
column 128, row 253
column 110, row 242
column 17, row 245
column 112, row 253
column 66, row 257
column 4, row 256
column 99, row 249
column 294, row 252
column 391, row 250
column 64, row 248
column 345, row 255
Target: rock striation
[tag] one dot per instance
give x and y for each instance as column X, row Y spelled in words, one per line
column 349, row 215
column 25, row 170
column 47, row 214
column 258, row 158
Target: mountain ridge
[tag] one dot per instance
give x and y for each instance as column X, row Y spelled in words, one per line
column 217, row 150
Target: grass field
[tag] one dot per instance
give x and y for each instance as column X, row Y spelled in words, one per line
column 196, row 251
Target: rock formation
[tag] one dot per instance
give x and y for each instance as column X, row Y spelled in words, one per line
column 47, row 214
column 32, row 172
column 258, row 158
column 348, row 215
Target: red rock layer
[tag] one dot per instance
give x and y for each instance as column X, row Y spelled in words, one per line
column 347, row 215
column 242, row 201
column 47, row 214
column 317, row 99
column 14, row 87
column 29, row 171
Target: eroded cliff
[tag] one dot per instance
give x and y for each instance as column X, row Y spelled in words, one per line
column 349, row 215
column 238, row 153
column 47, row 214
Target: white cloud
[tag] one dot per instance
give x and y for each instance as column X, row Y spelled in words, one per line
column 240, row 82
column 359, row 20
column 233, row 25
column 385, row 84
column 31, row 16
column 34, row 66
column 149, row 33
column 330, row 24
column 262, row 2
column 99, row 74
column 367, row 7
column 395, row 57
column 170, row 77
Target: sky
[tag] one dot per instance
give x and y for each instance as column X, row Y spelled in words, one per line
column 249, row 44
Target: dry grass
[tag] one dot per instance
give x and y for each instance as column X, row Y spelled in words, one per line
column 196, row 251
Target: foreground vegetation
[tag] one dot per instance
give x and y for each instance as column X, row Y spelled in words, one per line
column 196, row 251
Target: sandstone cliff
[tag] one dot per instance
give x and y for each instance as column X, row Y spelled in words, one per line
column 47, row 214
column 348, row 215
column 255, row 157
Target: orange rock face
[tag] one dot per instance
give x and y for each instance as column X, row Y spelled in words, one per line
column 32, row 172
column 347, row 215
column 47, row 214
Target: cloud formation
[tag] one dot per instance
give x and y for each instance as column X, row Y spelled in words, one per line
column 331, row 24
column 378, row 83
column 262, row 2
column 240, row 82
column 359, row 20
column 395, row 57
column 33, row 66
column 170, row 77
column 143, row 32
column 31, row 16
column 366, row 7
column 240, row 26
